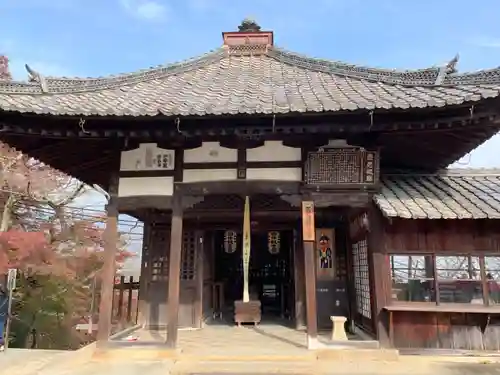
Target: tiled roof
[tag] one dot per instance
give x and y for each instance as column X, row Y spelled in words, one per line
column 232, row 81
column 455, row 194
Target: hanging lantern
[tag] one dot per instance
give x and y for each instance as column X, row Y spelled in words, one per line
column 273, row 242
column 230, row 241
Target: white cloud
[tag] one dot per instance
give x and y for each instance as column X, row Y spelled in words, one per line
column 145, row 9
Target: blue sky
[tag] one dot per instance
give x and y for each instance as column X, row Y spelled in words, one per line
column 100, row 37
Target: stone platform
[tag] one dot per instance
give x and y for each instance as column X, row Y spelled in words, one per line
column 263, row 343
column 221, row 350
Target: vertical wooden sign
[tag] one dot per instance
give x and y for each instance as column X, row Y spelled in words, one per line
column 246, row 249
column 308, row 227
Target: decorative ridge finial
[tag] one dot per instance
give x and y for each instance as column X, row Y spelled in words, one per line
column 34, row 76
column 248, row 25
column 249, row 39
column 451, row 67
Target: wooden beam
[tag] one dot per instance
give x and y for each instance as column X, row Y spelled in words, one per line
column 308, row 238
column 240, row 187
column 162, row 126
column 174, row 269
column 200, row 260
column 145, row 277
column 109, row 268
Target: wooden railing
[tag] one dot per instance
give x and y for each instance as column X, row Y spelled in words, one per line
column 342, row 167
column 125, row 301
column 124, row 313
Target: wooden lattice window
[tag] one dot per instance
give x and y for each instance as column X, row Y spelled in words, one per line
column 362, row 278
column 188, row 258
column 159, row 245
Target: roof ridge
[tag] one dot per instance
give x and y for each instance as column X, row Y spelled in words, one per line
column 437, row 75
column 482, row 76
column 343, row 63
column 38, row 84
column 416, row 77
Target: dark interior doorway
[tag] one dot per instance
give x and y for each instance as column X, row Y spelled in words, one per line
column 270, row 273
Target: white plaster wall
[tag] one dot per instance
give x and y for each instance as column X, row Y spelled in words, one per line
column 210, row 152
column 285, row 174
column 274, row 151
column 198, row 175
column 135, row 160
column 141, row 186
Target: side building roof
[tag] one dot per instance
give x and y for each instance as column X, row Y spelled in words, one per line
column 453, row 194
column 248, row 79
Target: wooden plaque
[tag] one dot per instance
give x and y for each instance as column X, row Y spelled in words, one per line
column 308, row 228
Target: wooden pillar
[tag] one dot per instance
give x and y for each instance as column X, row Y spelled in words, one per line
column 145, row 277
column 380, row 275
column 351, row 288
column 129, row 300
column 298, row 276
column 108, row 271
column 309, row 238
column 200, row 259
column 174, row 270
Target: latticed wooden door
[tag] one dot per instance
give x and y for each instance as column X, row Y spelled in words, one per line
column 155, row 268
column 361, row 274
column 187, row 298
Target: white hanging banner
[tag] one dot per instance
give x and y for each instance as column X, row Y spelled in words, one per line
column 246, row 249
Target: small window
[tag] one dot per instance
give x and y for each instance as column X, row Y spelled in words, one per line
column 412, row 278
column 492, row 270
column 459, row 279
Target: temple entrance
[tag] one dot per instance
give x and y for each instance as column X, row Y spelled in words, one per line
column 270, row 273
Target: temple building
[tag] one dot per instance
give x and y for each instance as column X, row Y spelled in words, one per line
column 278, row 187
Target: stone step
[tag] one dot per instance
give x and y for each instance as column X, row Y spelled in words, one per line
column 291, row 368
column 247, row 354
column 384, row 355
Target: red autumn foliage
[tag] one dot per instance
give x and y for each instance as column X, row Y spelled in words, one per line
column 42, row 235
column 23, row 250
column 57, row 250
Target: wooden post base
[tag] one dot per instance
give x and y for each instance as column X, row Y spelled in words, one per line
column 247, row 312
